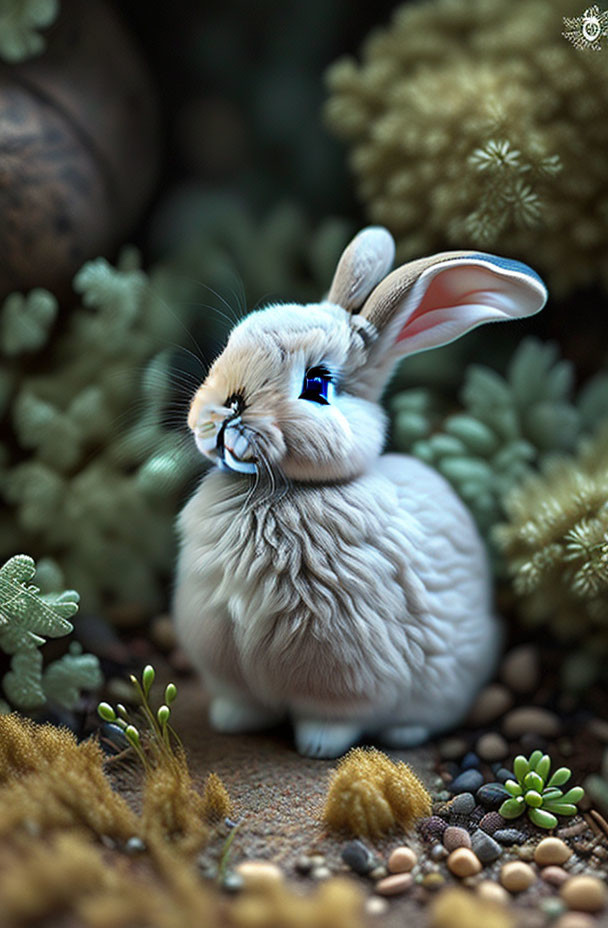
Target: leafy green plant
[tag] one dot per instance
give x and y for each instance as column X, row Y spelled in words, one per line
column 20, row 22
column 533, row 791
column 26, row 616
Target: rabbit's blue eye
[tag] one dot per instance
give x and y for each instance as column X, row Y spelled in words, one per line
column 317, row 386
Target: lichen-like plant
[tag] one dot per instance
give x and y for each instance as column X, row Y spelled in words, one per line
column 534, row 791
column 26, row 616
column 20, row 22
column 171, row 805
column 507, row 427
column 370, row 794
column 459, row 908
column 556, row 543
column 476, row 123
column 88, row 472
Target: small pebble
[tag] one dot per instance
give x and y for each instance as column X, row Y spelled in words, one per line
column 135, row 845
column 575, row 920
column 491, row 822
column 317, row 860
column 258, row 874
column 378, row 873
column 492, row 892
column 470, row 761
column 555, row 876
column 358, row 857
column 454, row 837
column 551, row 851
column 463, row 804
column 485, row 847
column 552, row 907
column 462, row 862
column 493, row 701
column 492, row 747
column 375, row 905
column 502, row 775
column 432, row 881
column 402, row 860
column 438, row 852
column 394, row 885
column 585, row 893
column 492, row 795
column 432, row 827
column 530, row 720
column 510, row 836
column 303, row 864
column 467, row 782
column 232, row 882
column 520, row 669
column 452, row 748
column 517, row 876
column 526, row 852
column 323, row 873
column 162, row 632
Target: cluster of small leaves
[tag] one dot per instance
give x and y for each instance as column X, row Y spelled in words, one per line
column 555, row 542
column 158, row 732
column 89, row 472
column 534, row 791
column 474, row 123
column 25, row 617
column 20, row 22
column 508, row 426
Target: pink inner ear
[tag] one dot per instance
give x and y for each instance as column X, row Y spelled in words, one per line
column 437, row 296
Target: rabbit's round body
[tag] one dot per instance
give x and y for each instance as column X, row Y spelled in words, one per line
column 318, row 578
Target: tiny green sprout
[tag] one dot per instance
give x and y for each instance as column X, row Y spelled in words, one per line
column 531, row 789
column 106, row 712
column 170, row 693
column 163, row 714
column 147, row 678
column 121, row 711
column 133, row 735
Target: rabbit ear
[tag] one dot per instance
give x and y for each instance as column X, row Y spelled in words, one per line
column 364, row 263
column 433, row 301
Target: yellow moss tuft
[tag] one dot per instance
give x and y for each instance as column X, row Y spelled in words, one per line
column 216, row 801
column 458, row 908
column 370, row 794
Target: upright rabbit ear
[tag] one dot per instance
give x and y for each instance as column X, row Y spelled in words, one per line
column 364, row 263
column 433, row 301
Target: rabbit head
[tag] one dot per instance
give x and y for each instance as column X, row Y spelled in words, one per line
column 296, row 390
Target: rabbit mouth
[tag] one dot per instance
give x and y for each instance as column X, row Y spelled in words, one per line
column 231, row 456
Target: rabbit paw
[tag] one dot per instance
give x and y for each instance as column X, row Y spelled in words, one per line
column 325, row 739
column 404, row 736
column 232, row 715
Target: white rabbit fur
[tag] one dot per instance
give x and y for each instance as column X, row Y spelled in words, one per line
column 346, row 589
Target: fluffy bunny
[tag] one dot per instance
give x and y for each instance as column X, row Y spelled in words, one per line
column 317, row 578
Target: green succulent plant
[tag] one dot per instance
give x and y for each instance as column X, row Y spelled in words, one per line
column 534, row 791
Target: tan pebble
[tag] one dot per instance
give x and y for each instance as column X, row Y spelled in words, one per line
column 551, row 851
column 258, row 874
column 375, row 905
column 317, row 860
column 520, row 669
column 525, row 852
column 534, row 719
column 378, row 873
column 517, row 876
column 575, row 920
column 433, row 881
column 454, row 837
column 394, row 885
column 492, row 747
column 493, row 701
column 320, row 873
column 585, row 893
column 463, row 862
column 492, row 892
column 555, row 876
column 401, row 860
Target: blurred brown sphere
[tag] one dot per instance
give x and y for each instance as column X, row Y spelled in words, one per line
column 79, row 148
